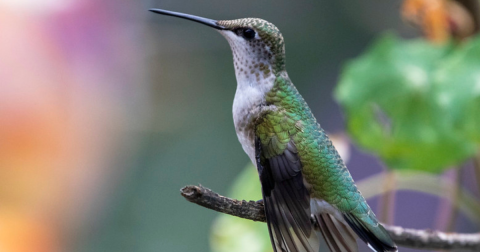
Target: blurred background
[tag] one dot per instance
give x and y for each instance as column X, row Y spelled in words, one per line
column 107, row 110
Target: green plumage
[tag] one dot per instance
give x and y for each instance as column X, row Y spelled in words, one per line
column 323, row 168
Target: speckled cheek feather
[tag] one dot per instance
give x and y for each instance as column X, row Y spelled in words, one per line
column 252, row 60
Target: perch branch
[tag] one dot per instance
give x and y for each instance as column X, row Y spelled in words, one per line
column 421, row 239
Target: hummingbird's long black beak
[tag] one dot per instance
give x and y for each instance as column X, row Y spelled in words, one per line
column 201, row 20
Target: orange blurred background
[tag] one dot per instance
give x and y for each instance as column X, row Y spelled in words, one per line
column 65, row 91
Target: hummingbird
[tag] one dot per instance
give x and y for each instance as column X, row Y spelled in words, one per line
column 302, row 175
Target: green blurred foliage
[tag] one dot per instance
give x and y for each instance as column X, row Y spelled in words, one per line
column 414, row 104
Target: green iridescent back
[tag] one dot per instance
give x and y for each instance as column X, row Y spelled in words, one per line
column 323, row 168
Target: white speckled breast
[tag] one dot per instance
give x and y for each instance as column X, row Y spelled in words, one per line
column 254, row 79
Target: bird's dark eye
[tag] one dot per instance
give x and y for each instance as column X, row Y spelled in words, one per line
column 248, row 33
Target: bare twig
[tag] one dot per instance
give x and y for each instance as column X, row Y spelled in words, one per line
column 422, row 239
column 207, row 198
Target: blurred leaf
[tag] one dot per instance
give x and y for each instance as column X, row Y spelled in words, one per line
column 414, row 104
column 458, row 89
column 232, row 234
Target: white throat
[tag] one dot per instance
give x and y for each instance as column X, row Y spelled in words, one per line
column 255, row 78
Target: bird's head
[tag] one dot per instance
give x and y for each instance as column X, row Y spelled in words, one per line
column 257, row 45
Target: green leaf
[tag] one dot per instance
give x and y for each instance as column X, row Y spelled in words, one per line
column 414, row 104
column 458, row 89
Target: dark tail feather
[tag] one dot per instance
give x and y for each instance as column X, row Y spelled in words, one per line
column 338, row 236
column 376, row 236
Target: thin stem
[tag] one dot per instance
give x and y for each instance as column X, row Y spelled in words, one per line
column 448, row 209
column 387, row 200
column 476, row 165
column 451, row 211
column 452, row 219
column 468, row 204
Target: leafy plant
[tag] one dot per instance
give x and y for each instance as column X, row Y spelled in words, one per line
column 414, row 104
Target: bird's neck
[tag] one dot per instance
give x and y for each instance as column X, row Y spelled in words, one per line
column 250, row 97
column 254, row 80
column 253, row 90
column 256, row 74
